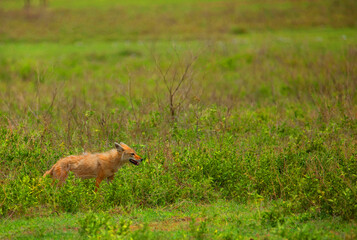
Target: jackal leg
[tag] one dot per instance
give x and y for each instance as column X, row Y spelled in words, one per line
column 110, row 178
column 98, row 180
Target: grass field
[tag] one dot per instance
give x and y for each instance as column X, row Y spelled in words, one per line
column 222, row 220
column 258, row 142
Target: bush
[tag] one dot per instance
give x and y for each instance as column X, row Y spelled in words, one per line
column 102, row 226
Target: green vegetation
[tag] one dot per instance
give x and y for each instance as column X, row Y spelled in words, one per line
column 184, row 220
column 110, row 20
column 258, row 141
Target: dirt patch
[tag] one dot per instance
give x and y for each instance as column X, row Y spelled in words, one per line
column 172, row 224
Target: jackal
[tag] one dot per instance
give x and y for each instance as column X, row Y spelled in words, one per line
column 94, row 165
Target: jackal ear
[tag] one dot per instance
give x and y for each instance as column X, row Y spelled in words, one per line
column 118, row 147
column 123, row 145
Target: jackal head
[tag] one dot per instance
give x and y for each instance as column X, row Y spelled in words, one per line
column 128, row 154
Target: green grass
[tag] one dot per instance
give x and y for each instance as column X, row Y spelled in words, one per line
column 222, row 220
column 168, row 19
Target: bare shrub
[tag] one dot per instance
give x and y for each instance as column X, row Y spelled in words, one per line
column 178, row 79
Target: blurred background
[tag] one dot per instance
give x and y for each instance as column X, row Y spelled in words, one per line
column 65, row 20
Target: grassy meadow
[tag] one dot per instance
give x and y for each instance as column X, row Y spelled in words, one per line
column 245, row 112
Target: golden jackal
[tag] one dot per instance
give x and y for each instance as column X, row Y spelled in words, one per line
column 97, row 165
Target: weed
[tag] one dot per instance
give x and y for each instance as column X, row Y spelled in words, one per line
column 198, row 230
column 101, row 226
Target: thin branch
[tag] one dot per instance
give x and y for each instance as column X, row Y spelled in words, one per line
column 183, row 77
column 162, row 74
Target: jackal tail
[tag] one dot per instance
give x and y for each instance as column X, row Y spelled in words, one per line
column 49, row 172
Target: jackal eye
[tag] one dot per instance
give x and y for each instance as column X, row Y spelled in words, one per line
column 132, row 154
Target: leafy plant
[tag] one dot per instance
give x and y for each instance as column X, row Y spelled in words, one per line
column 101, row 226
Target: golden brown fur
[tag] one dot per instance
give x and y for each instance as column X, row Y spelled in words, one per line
column 97, row 165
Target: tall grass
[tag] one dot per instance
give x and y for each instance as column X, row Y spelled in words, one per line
column 276, row 121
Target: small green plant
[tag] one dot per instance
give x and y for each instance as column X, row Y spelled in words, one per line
column 198, row 230
column 273, row 218
column 101, row 226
